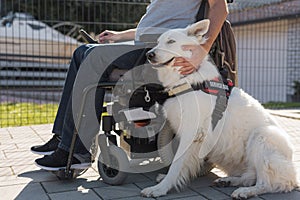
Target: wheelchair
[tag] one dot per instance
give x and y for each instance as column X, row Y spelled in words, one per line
column 141, row 129
column 135, row 137
column 135, row 134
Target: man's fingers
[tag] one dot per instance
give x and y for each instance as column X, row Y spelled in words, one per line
column 186, row 67
column 187, row 71
column 179, row 59
column 181, row 63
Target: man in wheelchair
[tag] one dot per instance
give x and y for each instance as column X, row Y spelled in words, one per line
column 160, row 16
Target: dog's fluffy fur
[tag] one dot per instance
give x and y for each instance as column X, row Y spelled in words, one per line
column 247, row 143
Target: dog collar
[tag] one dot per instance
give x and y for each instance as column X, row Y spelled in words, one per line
column 180, row 89
column 213, row 87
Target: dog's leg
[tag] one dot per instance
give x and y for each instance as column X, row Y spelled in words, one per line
column 247, row 179
column 246, row 192
column 271, row 155
column 176, row 175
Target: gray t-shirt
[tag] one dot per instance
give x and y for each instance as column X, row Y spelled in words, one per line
column 167, row 14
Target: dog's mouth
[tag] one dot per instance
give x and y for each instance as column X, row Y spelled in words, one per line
column 163, row 64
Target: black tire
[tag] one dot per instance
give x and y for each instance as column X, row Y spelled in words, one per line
column 118, row 171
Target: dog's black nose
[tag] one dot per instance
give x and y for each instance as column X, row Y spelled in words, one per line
column 150, row 55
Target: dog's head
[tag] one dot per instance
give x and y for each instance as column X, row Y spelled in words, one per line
column 170, row 43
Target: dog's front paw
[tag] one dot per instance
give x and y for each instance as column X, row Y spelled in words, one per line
column 222, row 182
column 154, row 191
column 240, row 194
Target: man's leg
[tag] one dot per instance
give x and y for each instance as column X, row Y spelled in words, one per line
column 87, row 75
column 77, row 59
column 50, row 146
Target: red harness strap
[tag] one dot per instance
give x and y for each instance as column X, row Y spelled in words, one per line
column 217, row 86
column 222, row 90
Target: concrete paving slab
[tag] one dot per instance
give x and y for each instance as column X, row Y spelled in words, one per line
column 6, row 181
column 280, row 196
column 136, row 178
column 184, row 193
column 37, row 175
column 71, row 185
column 153, row 175
column 32, row 191
column 10, row 146
column 3, row 131
column 7, row 141
column 18, row 157
column 211, row 193
column 117, row 192
column 145, row 184
column 91, row 172
column 205, row 181
column 87, row 194
column 136, row 198
column 6, row 171
column 192, row 198
column 20, row 177
column 20, row 169
column 2, row 157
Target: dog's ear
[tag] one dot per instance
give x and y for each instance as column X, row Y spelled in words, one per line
column 199, row 28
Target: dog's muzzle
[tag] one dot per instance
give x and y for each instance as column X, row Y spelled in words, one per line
column 150, row 55
column 151, row 58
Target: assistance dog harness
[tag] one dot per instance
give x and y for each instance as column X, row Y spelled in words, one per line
column 216, row 87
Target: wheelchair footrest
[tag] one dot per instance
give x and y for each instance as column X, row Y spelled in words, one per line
column 138, row 114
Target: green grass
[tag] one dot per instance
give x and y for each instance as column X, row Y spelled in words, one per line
column 281, row 105
column 23, row 114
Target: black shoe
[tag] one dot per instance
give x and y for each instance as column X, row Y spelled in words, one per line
column 58, row 160
column 48, row 148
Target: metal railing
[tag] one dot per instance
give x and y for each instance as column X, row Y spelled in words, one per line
column 38, row 37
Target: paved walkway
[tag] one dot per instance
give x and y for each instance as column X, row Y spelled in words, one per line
column 21, row 179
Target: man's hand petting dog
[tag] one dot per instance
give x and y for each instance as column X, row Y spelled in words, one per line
column 190, row 65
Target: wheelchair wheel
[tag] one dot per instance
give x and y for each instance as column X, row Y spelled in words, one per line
column 116, row 173
column 167, row 145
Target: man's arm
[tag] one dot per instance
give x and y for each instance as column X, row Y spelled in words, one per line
column 116, row 36
column 217, row 14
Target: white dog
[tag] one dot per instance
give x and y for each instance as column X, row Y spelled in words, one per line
column 246, row 143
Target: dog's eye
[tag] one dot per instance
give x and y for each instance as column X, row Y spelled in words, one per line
column 171, row 41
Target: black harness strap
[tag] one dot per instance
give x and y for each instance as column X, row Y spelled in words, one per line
column 222, row 90
column 213, row 87
column 220, row 107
